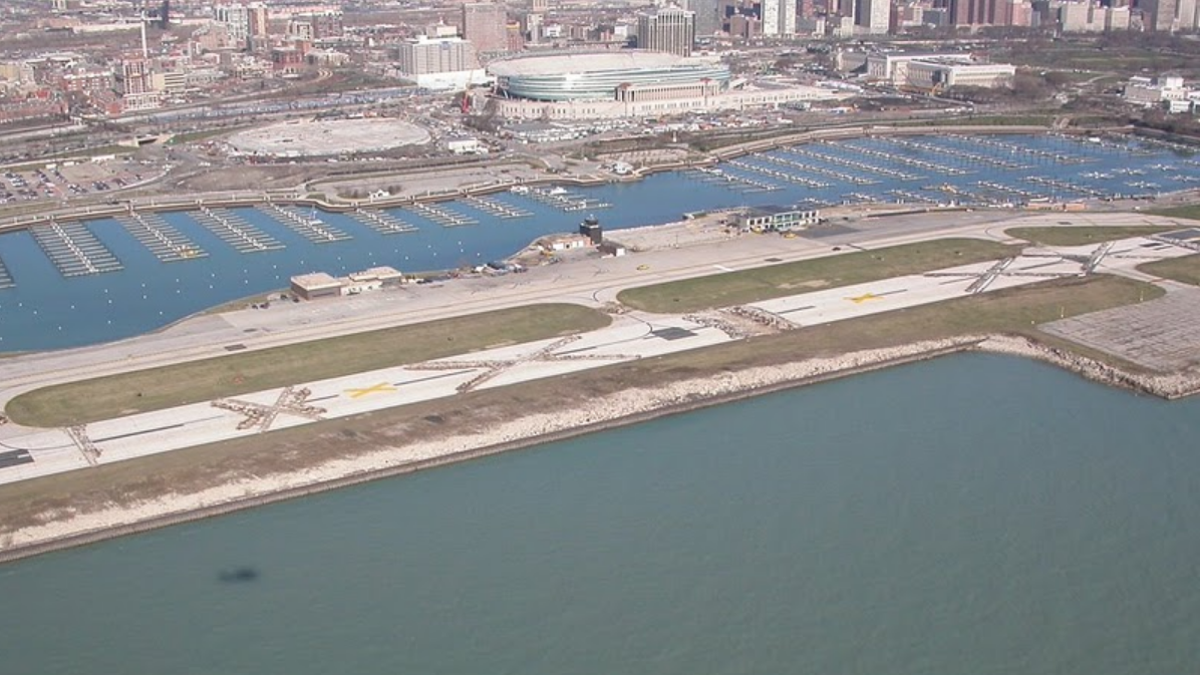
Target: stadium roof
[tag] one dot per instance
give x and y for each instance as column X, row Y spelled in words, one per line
column 561, row 63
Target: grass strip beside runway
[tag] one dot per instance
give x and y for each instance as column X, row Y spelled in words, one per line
column 1016, row 310
column 1191, row 212
column 776, row 281
column 1185, row 269
column 1081, row 236
column 169, row 386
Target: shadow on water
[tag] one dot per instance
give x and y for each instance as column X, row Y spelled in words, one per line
column 238, row 575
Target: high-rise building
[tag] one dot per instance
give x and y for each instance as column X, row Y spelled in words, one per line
column 1158, row 15
column 667, row 30
column 778, row 17
column 708, row 16
column 426, row 56
column 243, row 21
column 484, row 25
column 979, row 12
column 873, row 16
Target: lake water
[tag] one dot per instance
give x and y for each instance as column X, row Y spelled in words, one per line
column 45, row 309
column 974, row 514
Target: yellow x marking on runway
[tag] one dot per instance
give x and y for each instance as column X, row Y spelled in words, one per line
column 381, row 388
column 864, row 298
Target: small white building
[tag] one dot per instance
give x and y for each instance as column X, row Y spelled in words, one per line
column 465, row 145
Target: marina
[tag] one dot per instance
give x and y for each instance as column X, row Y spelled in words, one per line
column 442, row 215
column 495, row 207
column 235, row 231
column 871, row 147
column 778, row 174
column 811, row 154
column 74, row 250
column 734, row 180
column 307, row 225
column 163, row 240
column 563, row 199
column 382, row 221
column 814, row 167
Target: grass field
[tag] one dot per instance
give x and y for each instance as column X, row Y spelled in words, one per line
column 159, row 388
column 1185, row 269
column 1192, row 212
column 735, row 288
column 1079, row 236
column 1014, row 310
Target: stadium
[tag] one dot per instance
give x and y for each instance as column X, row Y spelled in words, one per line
column 604, row 76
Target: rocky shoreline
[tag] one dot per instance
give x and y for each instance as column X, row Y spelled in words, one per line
column 621, row 408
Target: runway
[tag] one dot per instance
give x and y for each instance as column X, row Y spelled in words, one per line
column 28, row 453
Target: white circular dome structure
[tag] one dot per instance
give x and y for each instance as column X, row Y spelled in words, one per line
column 574, row 76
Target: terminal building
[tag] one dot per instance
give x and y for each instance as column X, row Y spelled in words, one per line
column 628, row 83
column 322, row 285
column 777, row 218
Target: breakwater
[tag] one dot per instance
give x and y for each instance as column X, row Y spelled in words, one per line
column 620, row 408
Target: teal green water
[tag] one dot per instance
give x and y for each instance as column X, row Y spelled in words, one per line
column 967, row 516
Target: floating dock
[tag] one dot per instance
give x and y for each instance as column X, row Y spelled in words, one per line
column 235, row 231
column 442, row 215
column 382, row 222
column 307, row 225
column 163, row 240
column 564, row 200
column 74, row 250
column 495, row 207
column 865, row 167
column 6, row 280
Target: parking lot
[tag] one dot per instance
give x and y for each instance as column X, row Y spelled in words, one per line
column 65, row 181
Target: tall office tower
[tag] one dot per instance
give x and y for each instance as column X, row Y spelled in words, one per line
column 873, row 16
column 484, row 25
column 667, row 30
column 805, row 9
column 538, row 6
column 708, row 16
column 778, row 17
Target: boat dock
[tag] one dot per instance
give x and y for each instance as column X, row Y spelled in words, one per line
column 442, row 215
column 736, row 181
column 564, row 200
column 870, row 148
column 163, row 240
column 495, row 207
column 235, row 231
column 821, row 170
column 6, row 280
column 776, row 173
column 382, row 222
column 74, row 250
column 829, row 158
column 307, row 225
column 962, row 156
